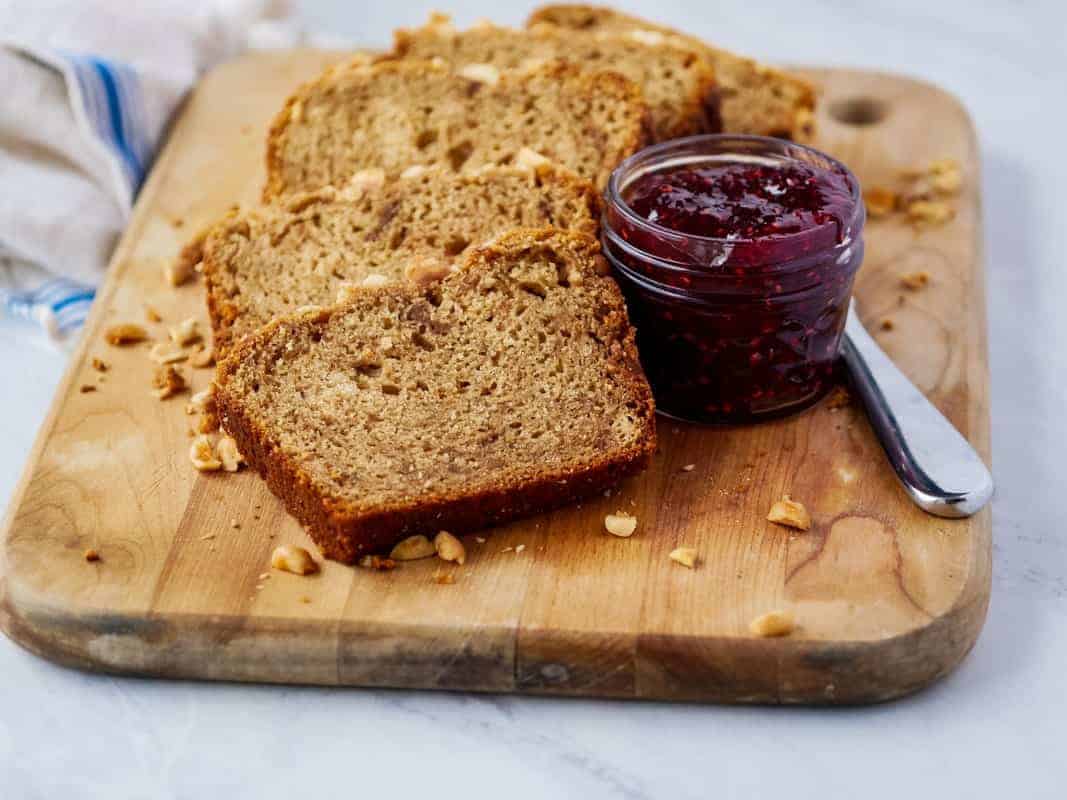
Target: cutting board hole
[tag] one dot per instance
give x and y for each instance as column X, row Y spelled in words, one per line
column 859, row 111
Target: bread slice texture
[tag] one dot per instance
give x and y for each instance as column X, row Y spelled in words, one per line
column 754, row 98
column 393, row 114
column 510, row 387
column 307, row 248
column 677, row 82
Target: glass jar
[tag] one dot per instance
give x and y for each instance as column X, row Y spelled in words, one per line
column 744, row 324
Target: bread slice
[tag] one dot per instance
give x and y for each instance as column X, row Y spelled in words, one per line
column 677, row 82
column 393, row 114
column 306, row 248
column 754, row 98
column 410, row 410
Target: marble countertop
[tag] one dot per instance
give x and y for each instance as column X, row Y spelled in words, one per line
column 996, row 727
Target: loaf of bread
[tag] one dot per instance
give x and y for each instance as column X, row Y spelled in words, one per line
column 308, row 247
column 754, row 98
column 412, row 409
column 396, row 113
column 677, row 82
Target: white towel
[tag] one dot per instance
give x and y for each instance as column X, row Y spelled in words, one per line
column 89, row 87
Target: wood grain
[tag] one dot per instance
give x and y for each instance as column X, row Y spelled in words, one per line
column 887, row 598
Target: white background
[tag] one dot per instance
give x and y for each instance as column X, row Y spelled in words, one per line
column 994, row 728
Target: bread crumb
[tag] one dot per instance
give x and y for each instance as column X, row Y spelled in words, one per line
column 99, row 364
column 124, row 334
column 886, row 324
column 773, row 623
column 91, row 555
column 377, row 562
column 151, row 314
column 520, row 548
column 915, row 280
column 234, row 523
column 85, row 388
column 686, row 556
column 446, row 579
column 689, row 467
column 838, row 398
column 479, row 539
column 620, row 524
column 291, row 558
column 790, row 513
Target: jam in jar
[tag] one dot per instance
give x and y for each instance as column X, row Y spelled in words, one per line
column 736, row 255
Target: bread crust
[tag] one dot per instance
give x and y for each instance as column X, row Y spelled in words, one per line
column 785, row 119
column 695, row 113
column 344, row 531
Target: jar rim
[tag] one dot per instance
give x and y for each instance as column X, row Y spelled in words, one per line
column 613, row 193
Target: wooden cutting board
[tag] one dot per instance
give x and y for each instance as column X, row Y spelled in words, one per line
column 887, row 599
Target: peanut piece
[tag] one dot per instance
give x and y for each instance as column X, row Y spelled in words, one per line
column 167, row 353
column 231, row 458
column 126, row 333
column 620, row 524
column 686, row 556
column 790, row 513
column 377, row 562
column 413, row 548
column 424, row 270
column 202, row 454
column 449, row 548
column 530, row 159
column 374, row 281
column 291, row 558
column 202, row 356
column 168, row 382
column 773, row 623
column 185, row 332
column 481, row 73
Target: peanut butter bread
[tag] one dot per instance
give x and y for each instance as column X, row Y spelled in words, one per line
column 754, row 98
column 677, row 82
column 308, row 247
column 411, row 410
column 393, row 114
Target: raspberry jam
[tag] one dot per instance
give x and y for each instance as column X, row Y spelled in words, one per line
column 737, row 256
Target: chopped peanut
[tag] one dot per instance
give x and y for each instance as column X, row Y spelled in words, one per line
column 291, row 558
column 880, row 201
column 168, row 382
column 202, row 454
column 620, row 524
column 126, row 333
column 202, row 356
column 413, row 548
column 99, row 365
column 167, row 353
column 790, row 513
column 449, row 548
column 185, row 332
column 774, row 623
column 686, row 556
column 227, row 452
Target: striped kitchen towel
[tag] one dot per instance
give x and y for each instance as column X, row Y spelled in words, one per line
column 90, row 86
